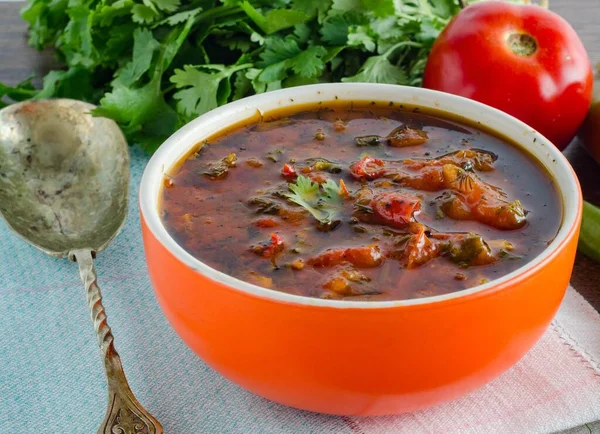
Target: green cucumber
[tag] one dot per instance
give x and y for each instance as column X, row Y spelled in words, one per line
column 589, row 235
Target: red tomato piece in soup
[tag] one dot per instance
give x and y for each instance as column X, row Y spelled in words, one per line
column 395, row 209
column 360, row 257
column 368, row 168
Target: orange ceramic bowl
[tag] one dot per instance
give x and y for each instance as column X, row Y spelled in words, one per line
column 357, row 358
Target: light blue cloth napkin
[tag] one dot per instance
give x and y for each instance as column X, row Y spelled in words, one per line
column 51, row 377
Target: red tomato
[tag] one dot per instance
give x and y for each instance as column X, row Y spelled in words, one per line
column 288, row 171
column 395, row 209
column 522, row 59
column 273, row 247
column 367, row 168
column 361, row 257
column 266, row 222
column 420, row 249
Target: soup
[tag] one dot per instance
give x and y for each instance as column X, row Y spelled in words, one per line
column 366, row 203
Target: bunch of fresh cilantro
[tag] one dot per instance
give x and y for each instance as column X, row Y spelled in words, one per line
column 153, row 65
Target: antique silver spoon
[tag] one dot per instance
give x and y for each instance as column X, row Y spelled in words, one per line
column 64, row 179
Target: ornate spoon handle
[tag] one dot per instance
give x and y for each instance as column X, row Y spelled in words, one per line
column 124, row 414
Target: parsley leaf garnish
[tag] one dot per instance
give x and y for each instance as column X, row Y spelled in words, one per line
column 324, row 202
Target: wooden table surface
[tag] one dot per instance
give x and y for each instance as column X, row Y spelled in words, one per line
column 17, row 61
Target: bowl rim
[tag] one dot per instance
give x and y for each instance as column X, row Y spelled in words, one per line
column 183, row 140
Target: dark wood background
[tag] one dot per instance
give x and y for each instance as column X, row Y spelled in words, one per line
column 17, row 61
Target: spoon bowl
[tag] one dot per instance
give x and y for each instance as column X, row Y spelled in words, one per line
column 63, row 175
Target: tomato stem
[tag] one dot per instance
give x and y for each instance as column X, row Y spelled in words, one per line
column 522, row 44
column 462, row 4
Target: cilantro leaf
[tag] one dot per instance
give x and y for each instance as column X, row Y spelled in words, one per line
column 302, row 32
column 332, row 53
column 309, row 63
column 129, row 106
column 233, row 42
column 272, row 76
column 144, row 47
column 346, row 5
column 106, row 14
column 241, row 85
column 163, row 5
column 117, row 47
column 445, row 8
column 179, row 17
column 381, row 8
column 362, row 35
column 312, row 7
column 77, row 43
column 331, row 191
column 161, row 125
column 276, row 19
column 73, row 83
column 387, row 30
column 202, row 91
column 335, row 29
column 298, row 80
column 323, row 202
column 277, row 50
column 281, row 55
column 280, row 19
column 47, row 20
column 378, row 69
column 143, row 14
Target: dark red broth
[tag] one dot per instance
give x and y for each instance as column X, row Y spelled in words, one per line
column 421, row 205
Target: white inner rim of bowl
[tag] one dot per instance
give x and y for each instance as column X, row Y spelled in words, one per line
column 180, row 143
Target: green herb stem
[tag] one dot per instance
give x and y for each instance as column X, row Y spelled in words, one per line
column 16, row 91
column 215, row 13
column 393, row 48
